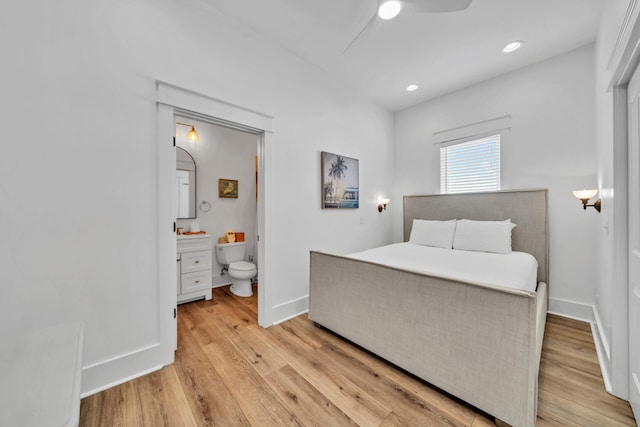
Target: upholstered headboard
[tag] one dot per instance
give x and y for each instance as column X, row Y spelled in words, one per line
column 526, row 208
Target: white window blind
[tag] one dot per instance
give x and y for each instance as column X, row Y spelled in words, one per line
column 470, row 166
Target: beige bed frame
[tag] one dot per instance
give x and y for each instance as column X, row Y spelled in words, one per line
column 479, row 343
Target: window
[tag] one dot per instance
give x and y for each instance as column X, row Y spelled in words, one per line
column 470, row 166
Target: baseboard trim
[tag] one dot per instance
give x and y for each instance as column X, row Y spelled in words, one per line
column 586, row 313
column 602, row 337
column 603, row 350
column 288, row 310
column 120, row 369
column 571, row 309
column 600, row 351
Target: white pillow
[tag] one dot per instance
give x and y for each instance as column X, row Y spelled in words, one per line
column 483, row 236
column 433, row 233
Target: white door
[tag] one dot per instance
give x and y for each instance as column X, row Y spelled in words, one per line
column 633, row 95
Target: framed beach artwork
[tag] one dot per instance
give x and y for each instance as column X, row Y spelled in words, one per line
column 228, row 188
column 340, row 187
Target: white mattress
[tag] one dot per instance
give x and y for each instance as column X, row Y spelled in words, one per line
column 516, row 270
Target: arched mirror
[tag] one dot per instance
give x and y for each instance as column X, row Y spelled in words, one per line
column 186, row 184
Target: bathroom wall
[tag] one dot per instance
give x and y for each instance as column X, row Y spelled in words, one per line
column 222, row 152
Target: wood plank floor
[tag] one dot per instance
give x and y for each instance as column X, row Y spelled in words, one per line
column 231, row 372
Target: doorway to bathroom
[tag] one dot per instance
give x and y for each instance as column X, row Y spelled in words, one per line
column 225, row 189
column 173, row 102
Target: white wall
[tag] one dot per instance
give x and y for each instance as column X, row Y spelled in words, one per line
column 223, row 153
column 550, row 145
column 79, row 164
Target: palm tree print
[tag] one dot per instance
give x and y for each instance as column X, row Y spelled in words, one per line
column 339, row 181
column 337, row 171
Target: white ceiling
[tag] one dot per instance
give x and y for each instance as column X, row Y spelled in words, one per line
column 440, row 52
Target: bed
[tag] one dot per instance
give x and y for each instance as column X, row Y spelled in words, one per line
column 477, row 341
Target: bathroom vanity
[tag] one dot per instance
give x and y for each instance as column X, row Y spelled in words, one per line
column 194, row 257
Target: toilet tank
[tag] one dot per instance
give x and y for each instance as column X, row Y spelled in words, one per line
column 226, row 253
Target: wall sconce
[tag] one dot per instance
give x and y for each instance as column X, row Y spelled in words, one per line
column 192, row 135
column 382, row 204
column 585, row 195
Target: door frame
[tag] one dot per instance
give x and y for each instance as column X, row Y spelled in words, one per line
column 172, row 100
column 624, row 61
column 633, row 101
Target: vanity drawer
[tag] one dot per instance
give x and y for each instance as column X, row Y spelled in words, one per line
column 194, row 244
column 196, row 281
column 195, row 261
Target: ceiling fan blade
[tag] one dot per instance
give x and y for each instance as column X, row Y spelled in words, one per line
column 435, row 6
column 425, row 6
column 369, row 26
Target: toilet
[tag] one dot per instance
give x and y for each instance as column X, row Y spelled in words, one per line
column 231, row 255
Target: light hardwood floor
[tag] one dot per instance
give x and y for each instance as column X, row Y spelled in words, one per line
column 231, row 372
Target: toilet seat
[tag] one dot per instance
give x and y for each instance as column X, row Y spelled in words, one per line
column 242, row 266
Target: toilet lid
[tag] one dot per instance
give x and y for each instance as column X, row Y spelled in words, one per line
column 242, row 266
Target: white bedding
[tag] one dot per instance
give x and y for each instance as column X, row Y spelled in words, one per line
column 516, row 270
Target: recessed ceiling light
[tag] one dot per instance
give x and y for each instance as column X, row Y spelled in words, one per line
column 513, row 46
column 411, row 88
column 389, row 9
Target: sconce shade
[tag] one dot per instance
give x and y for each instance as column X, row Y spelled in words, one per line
column 382, row 204
column 192, row 135
column 585, row 194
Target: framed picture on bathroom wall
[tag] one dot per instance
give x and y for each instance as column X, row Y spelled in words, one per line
column 228, row 188
column 340, row 187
